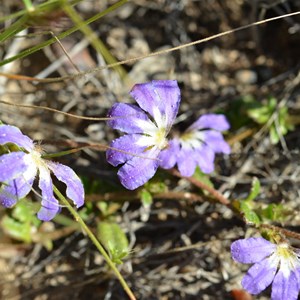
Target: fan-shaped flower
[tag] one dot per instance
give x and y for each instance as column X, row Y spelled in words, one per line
column 18, row 169
column 146, row 129
column 277, row 263
column 197, row 145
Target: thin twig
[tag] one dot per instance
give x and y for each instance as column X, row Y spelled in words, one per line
column 160, row 52
column 218, row 196
column 131, row 196
column 286, row 232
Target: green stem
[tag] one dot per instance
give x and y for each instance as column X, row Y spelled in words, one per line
column 95, row 41
column 14, row 29
column 286, row 232
column 62, row 35
column 62, row 153
column 218, row 196
column 28, row 5
column 95, row 242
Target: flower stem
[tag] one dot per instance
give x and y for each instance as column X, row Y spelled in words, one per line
column 286, row 232
column 62, row 153
column 218, row 196
column 95, row 242
column 223, row 200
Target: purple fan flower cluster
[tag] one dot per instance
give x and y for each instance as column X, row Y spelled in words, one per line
column 144, row 147
column 277, row 263
column 197, row 146
column 19, row 169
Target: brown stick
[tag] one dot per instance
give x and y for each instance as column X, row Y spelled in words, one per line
column 218, row 196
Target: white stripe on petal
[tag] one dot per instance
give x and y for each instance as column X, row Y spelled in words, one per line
column 147, row 126
column 158, row 118
column 288, row 259
column 146, row 141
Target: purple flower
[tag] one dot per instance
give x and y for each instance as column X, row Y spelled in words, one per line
column 19, row 169
column 272, row 263
column 146, row 129
column 197, row 145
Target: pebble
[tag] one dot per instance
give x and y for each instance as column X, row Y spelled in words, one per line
column 246, row 76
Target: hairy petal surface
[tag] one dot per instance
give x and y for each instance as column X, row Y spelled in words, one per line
column 286, row 284
column 186, row 162
column 200, row 142
column 127, row 118
column 163, row 95
column 215, row 140
column 138, row 170
column 12, row 165
column 260, row 275
column 12, row 134
column 251, row 250
column 127, row 144
column 50, row 206
column 168, row 156
column 75, row 190
column 18, row 188
column 211, row 121
column 205, row 159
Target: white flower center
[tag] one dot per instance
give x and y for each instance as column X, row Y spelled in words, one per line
column 192, row 139
column 34, row 158
column 154, row 135
column 288, row 259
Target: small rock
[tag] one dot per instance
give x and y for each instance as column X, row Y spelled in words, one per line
column 246, row 76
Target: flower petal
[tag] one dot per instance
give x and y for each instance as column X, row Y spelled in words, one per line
column 215, row 140
column 12, row 134
column 168, row 156
column 127, row 117
column 186, row 162
column 75, row 190
column 260, row 276
column 211, row 121
column 286, row 285
column 161, row 94
column 12, row 165
column 138, row 170
column 205, row 157
column 50, row 206
column 127, row 144
column 251, row 250
column 18, row 188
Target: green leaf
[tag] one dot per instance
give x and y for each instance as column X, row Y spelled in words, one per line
column 16, row 229
column 249, row 215
column 22, row 222
column 261, row 114
column 274, row 212
column 199, row 175
column 281, row 126
column 255, row 190
column 114, row 240
column 23, row 212
column 274, row 136
column 146, row 197
column 155, row 187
